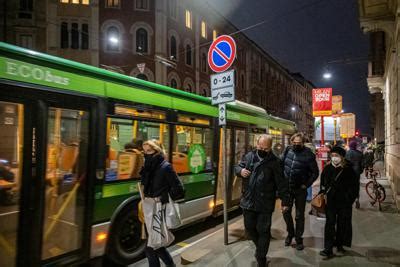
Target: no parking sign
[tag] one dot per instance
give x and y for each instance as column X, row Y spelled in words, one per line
column 222, row 53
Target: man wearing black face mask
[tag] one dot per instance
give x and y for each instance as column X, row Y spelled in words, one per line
column 301, row 170
column 262, row 174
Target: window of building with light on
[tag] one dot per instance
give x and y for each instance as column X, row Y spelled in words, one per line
column 215, row 34
column 203, row 29
column 188, row 19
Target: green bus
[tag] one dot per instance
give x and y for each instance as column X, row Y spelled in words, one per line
column 70, row 156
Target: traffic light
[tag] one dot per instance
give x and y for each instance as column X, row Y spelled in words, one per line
column 357, row 133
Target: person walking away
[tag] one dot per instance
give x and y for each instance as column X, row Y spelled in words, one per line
column 262, row 173
column 159, row 180
column 300, row 170
column 340, row 185
column 355, row 157
column 369, row 157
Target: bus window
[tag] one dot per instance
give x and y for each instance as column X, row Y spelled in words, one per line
column 11, row 144
column 124, row 139
column 192, row 149
column 221, row 179
column 68, row 133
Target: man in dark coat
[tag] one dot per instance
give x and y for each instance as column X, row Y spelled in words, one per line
column 301, row 170
column 262, row 175
column 340, row 185
column 355, row 157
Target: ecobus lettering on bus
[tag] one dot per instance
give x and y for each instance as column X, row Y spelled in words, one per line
column 35, row 73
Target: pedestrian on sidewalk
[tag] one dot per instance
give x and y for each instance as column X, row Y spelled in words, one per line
column 159, row 181
column 300, row 170
column 262, row 175
column 355, row 157
column 340, row 185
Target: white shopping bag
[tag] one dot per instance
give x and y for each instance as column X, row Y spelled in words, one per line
column 154, row 215
column 173, row 216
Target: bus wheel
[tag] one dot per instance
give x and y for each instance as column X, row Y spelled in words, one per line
column 125, row 244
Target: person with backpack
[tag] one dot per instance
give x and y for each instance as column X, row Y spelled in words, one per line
column 355, row 157
column 340, row 185
column 159, row 181
column 262, row 176
column 300, row 170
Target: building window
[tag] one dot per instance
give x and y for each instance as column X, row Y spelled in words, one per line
column 112, row 3
column 174, row 84
column 203, row 30
column 113, row 39
column 74, row 36
column 25, row 5
column 142, row 77
column 26, row 40
column 64, row 35
column 142, row 5
column 141, row 41
column 172, row 9
column 242, row 78
column 203, row 62
column 188, row 55
column 189, row 88
column 75, row 2
column 188, row 19
column 204, row 92
column 173, row 48
column 85, row 36
column 215, row 35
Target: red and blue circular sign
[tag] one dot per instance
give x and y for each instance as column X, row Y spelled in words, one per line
column 222, row 53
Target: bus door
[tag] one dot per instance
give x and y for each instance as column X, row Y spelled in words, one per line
column 44, row 141
column 238, row 148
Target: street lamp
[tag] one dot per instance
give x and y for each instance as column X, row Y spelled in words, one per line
column 114, row 40
column 327, row 75
column 293, row 108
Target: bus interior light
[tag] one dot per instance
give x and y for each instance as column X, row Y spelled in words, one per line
column 100, row 237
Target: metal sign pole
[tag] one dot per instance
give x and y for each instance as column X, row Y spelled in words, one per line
column 224, row 174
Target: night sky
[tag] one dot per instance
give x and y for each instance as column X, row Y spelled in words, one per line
column 305, row 36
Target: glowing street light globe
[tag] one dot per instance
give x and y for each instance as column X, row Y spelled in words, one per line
column 113, row 40
column 327, row 75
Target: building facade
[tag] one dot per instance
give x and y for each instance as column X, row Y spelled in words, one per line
column 380, row 18
column 64, row 28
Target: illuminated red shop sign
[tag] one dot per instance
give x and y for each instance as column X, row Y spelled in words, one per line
column 322, row 102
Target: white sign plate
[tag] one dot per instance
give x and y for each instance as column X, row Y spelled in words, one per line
column 222, row 114
column 223, row 87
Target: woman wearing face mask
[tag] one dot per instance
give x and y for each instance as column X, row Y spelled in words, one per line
column 159, row 180
column 340, row 185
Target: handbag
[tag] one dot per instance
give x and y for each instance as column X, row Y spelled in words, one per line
column 172, row 214
column 318, row 203
column 158, row 234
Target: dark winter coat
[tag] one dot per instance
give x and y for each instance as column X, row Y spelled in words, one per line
column 355, row 157
column 160, row 179
column 259, row 189
column 344, row 191
column 300, row 167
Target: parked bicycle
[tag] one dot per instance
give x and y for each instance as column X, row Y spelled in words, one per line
column 374, row 189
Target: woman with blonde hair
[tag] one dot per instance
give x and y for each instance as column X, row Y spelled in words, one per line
column 159, row 181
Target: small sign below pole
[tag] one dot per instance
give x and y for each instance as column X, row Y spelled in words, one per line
column 222, row 114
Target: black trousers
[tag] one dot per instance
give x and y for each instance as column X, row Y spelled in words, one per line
column 297, row 197
column 258, row 226
column 338, row 229
column 153, row 257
